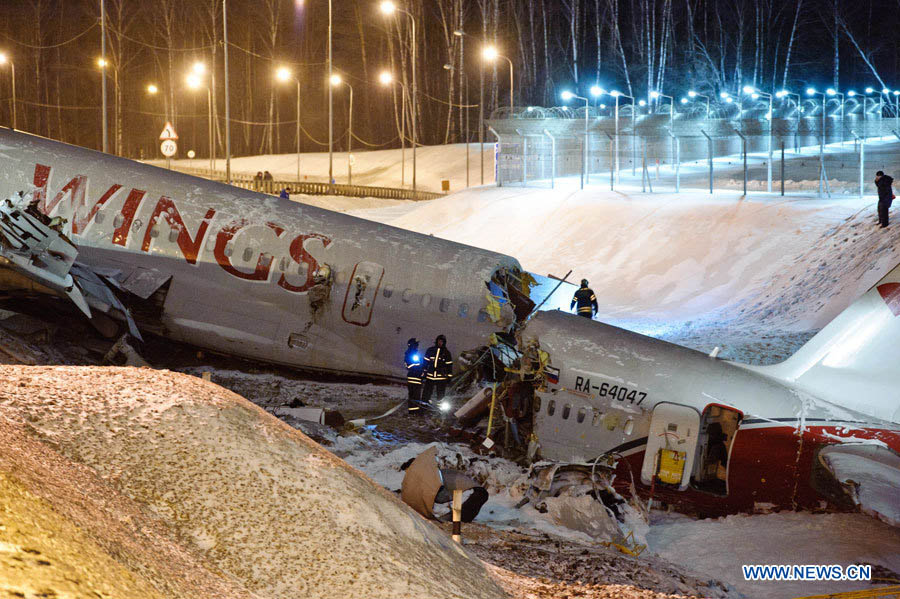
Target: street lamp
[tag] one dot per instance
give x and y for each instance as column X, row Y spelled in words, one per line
column 831, row 92
column 617, row 94
column 655, row 95
column 566, row 96
column 491, row 54
column 387, row 79
column 692, row 94
column 194, row 82
column 755, row 93
column 811, row 91
column 336, row 80
column 388, row 8
column 12, row 72
column 284, row 74
column 463, row 35
column 786, row 94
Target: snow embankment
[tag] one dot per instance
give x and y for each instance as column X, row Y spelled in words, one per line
column 378, row 168
column 246, row 503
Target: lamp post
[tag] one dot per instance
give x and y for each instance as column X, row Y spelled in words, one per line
column 832, row 92
column 655, row 95
column 896, row 108
column 335, row 81
column 786, row 94
column 566, row 96
column 692, row 94
column 389, row 8
column 387, row 79
column 12, row 72
column 755, row 93
column 491, row 54
column 152, row 90
column 284, row 75
column 811, row 91
column 194, row 81
column 617, row 94
column 869, row 91
column 463, row 35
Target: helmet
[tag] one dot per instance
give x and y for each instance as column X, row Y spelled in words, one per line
column 441, row 338
column 412, row 341
column 584, row 283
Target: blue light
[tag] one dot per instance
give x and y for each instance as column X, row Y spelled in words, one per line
column 415, row 358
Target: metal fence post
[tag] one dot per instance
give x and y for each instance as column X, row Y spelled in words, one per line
column 709, row 145
column 612, row 172
column 744, row 152
column 862, row 159
column 782, row 167
column 524, row 157
column 676, row 143
column 645, row 174
column 499, row 155
column 552, row 158
column 583, row 161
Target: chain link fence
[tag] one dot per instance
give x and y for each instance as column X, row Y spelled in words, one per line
column 810, row 150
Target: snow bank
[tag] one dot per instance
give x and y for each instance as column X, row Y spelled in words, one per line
column 255, row 499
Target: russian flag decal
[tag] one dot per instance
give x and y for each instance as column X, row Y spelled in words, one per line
column 552, row 374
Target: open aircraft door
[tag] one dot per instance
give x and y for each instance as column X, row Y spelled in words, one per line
column 671, row 445
column 365, row 281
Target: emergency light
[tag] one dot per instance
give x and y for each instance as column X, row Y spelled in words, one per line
column 415, row 357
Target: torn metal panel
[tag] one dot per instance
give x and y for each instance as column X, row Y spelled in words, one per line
column 144, row 282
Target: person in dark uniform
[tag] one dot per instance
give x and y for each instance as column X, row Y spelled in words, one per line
column 438, row 369
column 885, row 196
column 585, row 300
column 413, row 361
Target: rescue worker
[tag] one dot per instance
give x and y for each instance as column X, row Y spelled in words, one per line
column 885, row 196
column 586, row 301
column 438, row 369
column 413, row 361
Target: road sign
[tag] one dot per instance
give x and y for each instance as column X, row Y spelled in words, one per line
column 168, row 148
column 168, row 132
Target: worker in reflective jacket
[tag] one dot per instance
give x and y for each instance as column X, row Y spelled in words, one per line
column 585, row 300
column 413, row 361
column 438, row 369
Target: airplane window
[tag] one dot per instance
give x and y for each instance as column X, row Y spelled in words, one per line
column 407, row 295
column 482, row 316
column 248, row 253
column 551, row 407
column 426, row 299
column 537, row 403
column 154, row 231
column 445, row 305
column 629, row 426
column 100, row 216
column 388, row 291
column 229, row 249
column 581, row 414
column 463, row 310
column 283, row 264
column 598, row 417
column 173, row 235
column 118, row 220
column 566, row 409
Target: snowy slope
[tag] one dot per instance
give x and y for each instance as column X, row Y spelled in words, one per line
column 263, row 507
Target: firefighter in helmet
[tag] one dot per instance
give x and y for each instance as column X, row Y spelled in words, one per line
column 585, row 300
column 438, row 369
column 413, row 361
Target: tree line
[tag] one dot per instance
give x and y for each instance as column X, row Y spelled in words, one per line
column 635, row 46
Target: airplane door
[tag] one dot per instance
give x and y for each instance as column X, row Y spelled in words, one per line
column 361, row 293
column 671, row 445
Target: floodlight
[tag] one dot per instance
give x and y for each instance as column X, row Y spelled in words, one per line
column 152, row 89
column 283, row 74
column 869, row 90
column 830, row 91
column 851, row 93
column 684, row 100
column 490, row 53
column 810, row 91
column 780, row 94
column 654, row 94
column 567, row 95
column 597, row 91
column 386, row 78
column 615, row 93
column 642, row 103
column 199, row 68
column 692, row 94
column 3, row 58
column 388, row 7
column 336, row 79
column 885, row 90
column 748, row 89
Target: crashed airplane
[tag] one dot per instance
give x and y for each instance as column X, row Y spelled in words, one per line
column 250, row 275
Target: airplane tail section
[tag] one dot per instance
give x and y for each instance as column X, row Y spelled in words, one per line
column 855, row 360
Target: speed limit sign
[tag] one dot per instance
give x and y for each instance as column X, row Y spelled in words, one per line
column 168, row 147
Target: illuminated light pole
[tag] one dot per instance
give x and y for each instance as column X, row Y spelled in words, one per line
column 491, row 54
column 386, row 78
column 194, row 81
column 692, row 94
column 617, row 94
column 896, row 108
column 152, row 90
column 786, row 94
column 656, row 95
column 885, row 92
column 869, row 91
column 832, row 92
column 335, row 81
column 811, row 91
column 755, row 93
column 462, row 34
column 284, row 75
column 12, row 72
column 566, row 96
column 389, row 8
column 102, row 63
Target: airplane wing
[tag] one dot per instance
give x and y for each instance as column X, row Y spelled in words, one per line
column 870, row 474
column 33, row 247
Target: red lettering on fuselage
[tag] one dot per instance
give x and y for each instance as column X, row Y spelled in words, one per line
column 299, row 255
column 80, row 224
column 263, row 263
column 129, row 208
column 189, row 246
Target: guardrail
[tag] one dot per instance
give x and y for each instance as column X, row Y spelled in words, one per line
column 274, row 187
